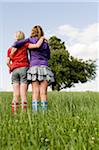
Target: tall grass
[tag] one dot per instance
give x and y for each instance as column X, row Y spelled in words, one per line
column 71, row 123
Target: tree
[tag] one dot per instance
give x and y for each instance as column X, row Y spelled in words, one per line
column 67, row 69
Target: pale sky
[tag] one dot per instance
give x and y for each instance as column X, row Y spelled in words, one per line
column 74, row 22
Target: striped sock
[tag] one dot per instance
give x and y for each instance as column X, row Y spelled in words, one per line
column 44, row 105
column 35, row 105
column 24, row 105
column 15, row 106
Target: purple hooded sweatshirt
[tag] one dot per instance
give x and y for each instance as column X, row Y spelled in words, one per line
column 38, row 56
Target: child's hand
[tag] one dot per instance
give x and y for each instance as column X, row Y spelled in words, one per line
column 9, row 65
column 42, row 37
column 13, row 50
column 10, row 68
column 45, row 40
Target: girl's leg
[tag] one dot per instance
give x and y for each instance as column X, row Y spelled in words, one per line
column 23, row 94
column 35, row 95
column 43, row 94
column 16, row 94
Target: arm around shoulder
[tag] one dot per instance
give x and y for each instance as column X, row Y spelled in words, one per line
column 20, row 43
column 37, row 45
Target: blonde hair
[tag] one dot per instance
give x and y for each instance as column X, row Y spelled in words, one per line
column 37, row 31
column 20, row 35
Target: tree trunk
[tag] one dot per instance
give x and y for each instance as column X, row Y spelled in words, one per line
column 53, row 86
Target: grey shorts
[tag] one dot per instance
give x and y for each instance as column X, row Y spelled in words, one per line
column 19, row 75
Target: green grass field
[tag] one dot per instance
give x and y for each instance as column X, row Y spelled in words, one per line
column 71, row 123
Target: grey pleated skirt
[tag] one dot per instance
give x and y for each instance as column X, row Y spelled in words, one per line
column 40, row 73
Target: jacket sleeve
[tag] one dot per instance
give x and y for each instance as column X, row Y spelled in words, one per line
column 20, row 43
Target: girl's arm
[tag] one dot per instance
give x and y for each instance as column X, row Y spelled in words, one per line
column 20, row 43
column 13, row 50
column 9, row 62
column 30, row 46
column 37, row 45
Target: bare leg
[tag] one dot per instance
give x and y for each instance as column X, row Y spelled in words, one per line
column 35, row 91
column 23, row 91
column 16, row 94
column 43, row 90
column 23, row 94
column 43, row 94
column 35, row 95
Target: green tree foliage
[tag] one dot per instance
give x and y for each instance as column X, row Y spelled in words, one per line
column 67, row 69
